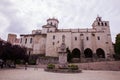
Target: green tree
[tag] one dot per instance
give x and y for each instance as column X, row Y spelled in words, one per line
column 69, row 56
column 117, row 44
column 117, row 47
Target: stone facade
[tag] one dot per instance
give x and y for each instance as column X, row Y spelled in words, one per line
column 83, row 43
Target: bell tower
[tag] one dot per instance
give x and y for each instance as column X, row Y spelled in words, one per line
column 99, row 24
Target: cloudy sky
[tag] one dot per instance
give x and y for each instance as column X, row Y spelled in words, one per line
column 23, row 16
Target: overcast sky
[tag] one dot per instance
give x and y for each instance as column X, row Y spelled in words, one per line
column 23, row 16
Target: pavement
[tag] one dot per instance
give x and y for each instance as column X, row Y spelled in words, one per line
column 40, row 74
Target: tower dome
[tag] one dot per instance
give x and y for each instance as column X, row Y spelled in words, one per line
column 53, row 22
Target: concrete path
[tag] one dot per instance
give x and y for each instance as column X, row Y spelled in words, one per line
column 40, row 74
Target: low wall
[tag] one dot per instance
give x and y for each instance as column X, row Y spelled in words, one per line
column 106, row 65
column 47, row 60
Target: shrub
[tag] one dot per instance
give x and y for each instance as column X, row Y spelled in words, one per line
column 32, row 62
column 50, row 66
column 73, row 67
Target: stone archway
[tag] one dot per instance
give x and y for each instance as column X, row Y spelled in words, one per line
column 88, row 53
column 76, row 53
column 100, row 53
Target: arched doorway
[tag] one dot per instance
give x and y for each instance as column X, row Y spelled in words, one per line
column 100, row 53
column 88, row 53
column 76, row 53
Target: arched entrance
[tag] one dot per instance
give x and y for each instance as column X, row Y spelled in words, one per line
column 76, row 53
column 100, row 53
column 88, row 53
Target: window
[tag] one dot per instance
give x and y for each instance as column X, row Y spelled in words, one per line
column 98, row 37
column 102, row 24
column 51, row 23
column 93, row 34
column 30, row 40
column 53, row 43
column 105, row 24
column 98, row 24
column 75, row 38
column 53, row 36
column 25, row 40
column 87, row 38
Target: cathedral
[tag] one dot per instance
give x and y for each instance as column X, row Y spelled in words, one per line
column 94, row 42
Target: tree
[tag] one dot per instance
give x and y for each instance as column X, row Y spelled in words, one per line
column 69, row 56
column 117, row 44
column 12, row 52
column 117, row 47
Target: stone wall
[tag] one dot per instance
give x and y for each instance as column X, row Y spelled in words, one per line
column 48, row 60
column 106, row 65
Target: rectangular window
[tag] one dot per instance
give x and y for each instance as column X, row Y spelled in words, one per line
column 98, row 37
column 75, row 38
column 30, row 40
column 53, row 43
column 53, row 36
column 87, row 38
column 25, row 40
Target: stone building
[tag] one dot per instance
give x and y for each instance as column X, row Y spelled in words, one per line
column 12, row 38
column 83, row 43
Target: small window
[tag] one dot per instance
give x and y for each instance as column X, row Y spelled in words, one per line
column 98, row 37
column 102, row 24
column 75, row 38
column 53, row 36
column 93, row 34
column 87, row 38
column 25, row 41
column 30, row 40
column 98, row 24
column 105, row 24
column 51, row 23
column 53, row 43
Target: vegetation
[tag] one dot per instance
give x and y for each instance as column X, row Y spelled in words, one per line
column 50, row 66
column 73, row 67
column 69, row 56
column 12, row 53
column 117, row 47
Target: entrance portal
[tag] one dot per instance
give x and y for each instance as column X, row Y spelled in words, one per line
column 88, row 53
column 100, row 53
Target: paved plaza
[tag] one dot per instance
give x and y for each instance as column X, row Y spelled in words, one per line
column 40, row 74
